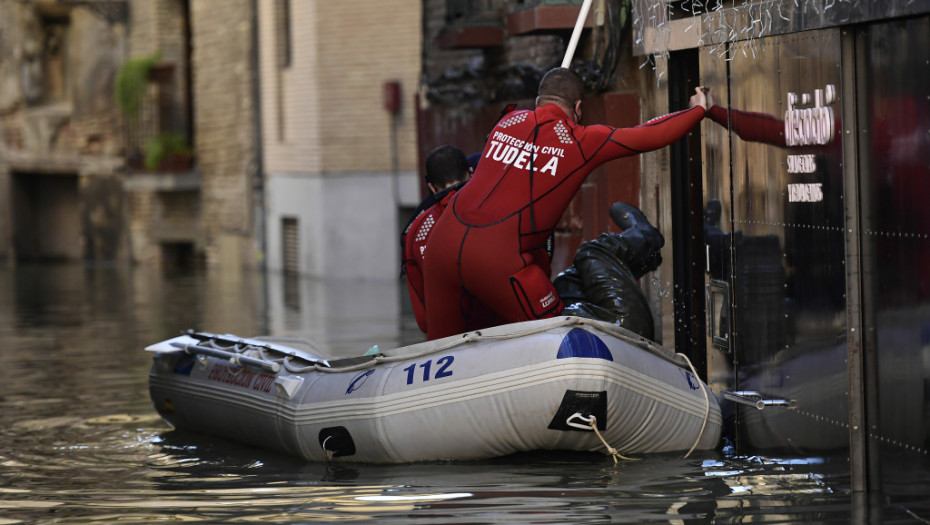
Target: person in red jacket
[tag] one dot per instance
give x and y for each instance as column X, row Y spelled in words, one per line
column 489, row 244
column 447, row 169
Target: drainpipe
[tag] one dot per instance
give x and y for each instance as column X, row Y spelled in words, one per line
column 258, row 180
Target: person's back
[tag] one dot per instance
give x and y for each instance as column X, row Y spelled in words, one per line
column 531, row 168
column 540, row 184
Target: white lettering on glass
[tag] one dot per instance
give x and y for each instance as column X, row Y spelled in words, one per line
column 812, row 192
column 810, row 126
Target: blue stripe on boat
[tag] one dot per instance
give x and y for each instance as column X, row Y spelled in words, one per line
column 581, row 343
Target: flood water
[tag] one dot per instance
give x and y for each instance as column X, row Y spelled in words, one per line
column 80, row 441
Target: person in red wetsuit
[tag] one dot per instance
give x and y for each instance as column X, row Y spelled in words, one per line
column 447, row 169
column 489, row 244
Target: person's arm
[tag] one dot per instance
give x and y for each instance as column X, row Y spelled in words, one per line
column 660, row 131
column 750, row 126
column 652, row 135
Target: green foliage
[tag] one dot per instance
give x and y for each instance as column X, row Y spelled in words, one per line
column 162, row 146
column 132, row 83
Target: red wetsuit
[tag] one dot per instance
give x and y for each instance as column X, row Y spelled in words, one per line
column 489, row 244
column 414, row 243
column 750, row 126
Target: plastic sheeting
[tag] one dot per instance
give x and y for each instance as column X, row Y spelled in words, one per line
column 602, row 284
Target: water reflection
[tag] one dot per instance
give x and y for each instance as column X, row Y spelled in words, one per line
column 81, row 443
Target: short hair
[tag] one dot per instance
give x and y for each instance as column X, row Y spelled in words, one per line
column 445, row 166
column 562, row 85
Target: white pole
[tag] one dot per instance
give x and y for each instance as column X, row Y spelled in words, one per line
column 576, row 33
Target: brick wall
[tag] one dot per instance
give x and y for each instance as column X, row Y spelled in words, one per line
column 290, row 95
column 324, row 113
column 363, row 45
column 478, row 76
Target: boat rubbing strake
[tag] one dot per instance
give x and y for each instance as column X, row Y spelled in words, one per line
column 537, row 385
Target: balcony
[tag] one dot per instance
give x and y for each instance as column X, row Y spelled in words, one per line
column 156, row 148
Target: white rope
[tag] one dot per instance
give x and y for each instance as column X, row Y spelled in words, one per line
column 706, row 405
column 466, row 338
column 591, row 423
column 290, row 340
column 260, row 351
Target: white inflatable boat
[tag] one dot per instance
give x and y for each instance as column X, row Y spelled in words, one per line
column 558, row 384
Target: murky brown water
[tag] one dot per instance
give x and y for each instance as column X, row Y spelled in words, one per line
column 80, row 442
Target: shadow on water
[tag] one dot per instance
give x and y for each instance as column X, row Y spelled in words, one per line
column 80, row 442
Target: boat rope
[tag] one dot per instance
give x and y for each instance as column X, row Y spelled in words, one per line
column 288, row 362
column 706, row 405
column 330, row 454
column 591, row 422
column 611, row 329
column 290, row 340
column 284, row 361
column 212, row 343
column 466, row 338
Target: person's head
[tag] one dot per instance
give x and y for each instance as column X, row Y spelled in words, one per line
column 564, row 88
column 445, row 166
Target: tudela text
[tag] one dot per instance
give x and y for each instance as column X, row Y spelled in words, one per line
column 523, row 155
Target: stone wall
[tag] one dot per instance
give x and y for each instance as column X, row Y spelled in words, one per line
column 225, row 125
column 475, row 77
column 58, row 117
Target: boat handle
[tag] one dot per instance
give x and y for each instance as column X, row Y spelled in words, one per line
column 588, row 421
column 234, row 358
column 757, row 400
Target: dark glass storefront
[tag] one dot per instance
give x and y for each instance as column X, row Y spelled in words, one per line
column 894, row 160
column 816, row 182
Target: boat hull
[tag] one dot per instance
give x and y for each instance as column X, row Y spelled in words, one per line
column 526, row 386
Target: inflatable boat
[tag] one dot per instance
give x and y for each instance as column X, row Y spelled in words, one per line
column 567, row 383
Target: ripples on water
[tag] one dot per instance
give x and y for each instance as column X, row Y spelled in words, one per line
column 80, row 442
column 122, row 468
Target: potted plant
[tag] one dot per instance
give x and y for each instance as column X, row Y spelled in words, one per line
column 168, row 152
column 132, row 82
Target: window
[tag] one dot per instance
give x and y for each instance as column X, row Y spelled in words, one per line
column 290, row 261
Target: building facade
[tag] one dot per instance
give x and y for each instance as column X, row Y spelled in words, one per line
column 203, row 209
column 166, row 178
column 338, row 84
